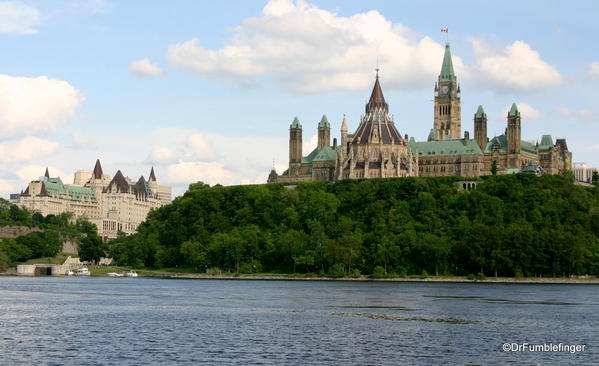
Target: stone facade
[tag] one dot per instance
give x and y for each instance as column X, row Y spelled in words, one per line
column 583, row 173
column 376, row 149
column 113, row 204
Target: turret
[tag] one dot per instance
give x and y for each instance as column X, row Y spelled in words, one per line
column 344, row 131
column 324, row 132
column 514, row 130
column 295, row 147
column 480, row 128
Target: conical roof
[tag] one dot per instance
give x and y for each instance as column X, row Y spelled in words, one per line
column 47, row 174
column 480, row 112
column 98, row 170
column 344, row 124
column 447, row 73
column 152, row 176
column 377, row 100
column 513, row 111
column 431, row 135
column 296, row 123
column 324, row 122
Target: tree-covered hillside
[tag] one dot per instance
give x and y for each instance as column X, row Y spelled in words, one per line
column 48, row 236
column 510, row 225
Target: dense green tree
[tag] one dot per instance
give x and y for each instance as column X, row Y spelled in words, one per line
column 92, row 248
column 45, row 243
column 510, row 224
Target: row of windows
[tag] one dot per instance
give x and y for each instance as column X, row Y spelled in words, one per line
column 451, row 169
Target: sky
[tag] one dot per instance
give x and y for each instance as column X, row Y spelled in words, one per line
column 205, row 91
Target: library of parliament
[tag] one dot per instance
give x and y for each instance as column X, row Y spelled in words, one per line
column 376, row 149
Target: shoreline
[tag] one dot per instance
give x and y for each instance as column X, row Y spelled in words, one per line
column 451, row 279
column 548, row 280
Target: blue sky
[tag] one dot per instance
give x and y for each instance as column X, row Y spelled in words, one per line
column 206, row 90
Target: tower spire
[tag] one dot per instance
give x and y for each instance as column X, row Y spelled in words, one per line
column 377, row 100
column 152, row 177
column 447, row 73
column 98, row 170
column 47, row 174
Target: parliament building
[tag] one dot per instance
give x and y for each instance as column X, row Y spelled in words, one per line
column 377, row 150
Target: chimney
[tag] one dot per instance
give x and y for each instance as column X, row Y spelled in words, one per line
column 334, row 143
column 466, row 137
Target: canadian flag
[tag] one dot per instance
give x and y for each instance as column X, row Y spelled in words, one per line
column 445, row 30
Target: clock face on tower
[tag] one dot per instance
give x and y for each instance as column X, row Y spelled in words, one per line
column 445, row 90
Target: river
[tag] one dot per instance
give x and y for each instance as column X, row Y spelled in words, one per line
column 142, row 321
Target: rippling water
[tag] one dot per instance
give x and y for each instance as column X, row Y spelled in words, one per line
column 138, row 321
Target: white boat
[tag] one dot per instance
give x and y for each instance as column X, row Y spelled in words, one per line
column 114, row 274
column 69, row 273
column 131, row 274
column 83, row 271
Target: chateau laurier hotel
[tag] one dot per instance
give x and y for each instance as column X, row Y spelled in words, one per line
column 376, row 148
column 112, row 203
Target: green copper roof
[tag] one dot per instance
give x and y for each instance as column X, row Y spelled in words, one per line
column 327, row 153
column 445, row 148
column 296, row 123
column 480, row 112
column 546, row 142
column 431, row 135
column 525, row 146
column 56, row 188
column 447, row 73
column 324, row 122
column 513, row 111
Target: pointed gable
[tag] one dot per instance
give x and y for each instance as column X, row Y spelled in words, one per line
column 141, row 188
column 118, row 184
column 97, row 174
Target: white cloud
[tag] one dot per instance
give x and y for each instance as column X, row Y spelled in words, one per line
column 161, row 155
column 200, row 147
column 593, row 70
column 564, row 112
column 526, row 111
column 78, row 142
column 30, row 106
column 309, row 144
column 6, row 187
column 17, row 17
column 26, row 149
column 516, row 67
column 307, row 50
column 145, row 68
column 214, row 158
column 190, row 172
column 31, row 172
